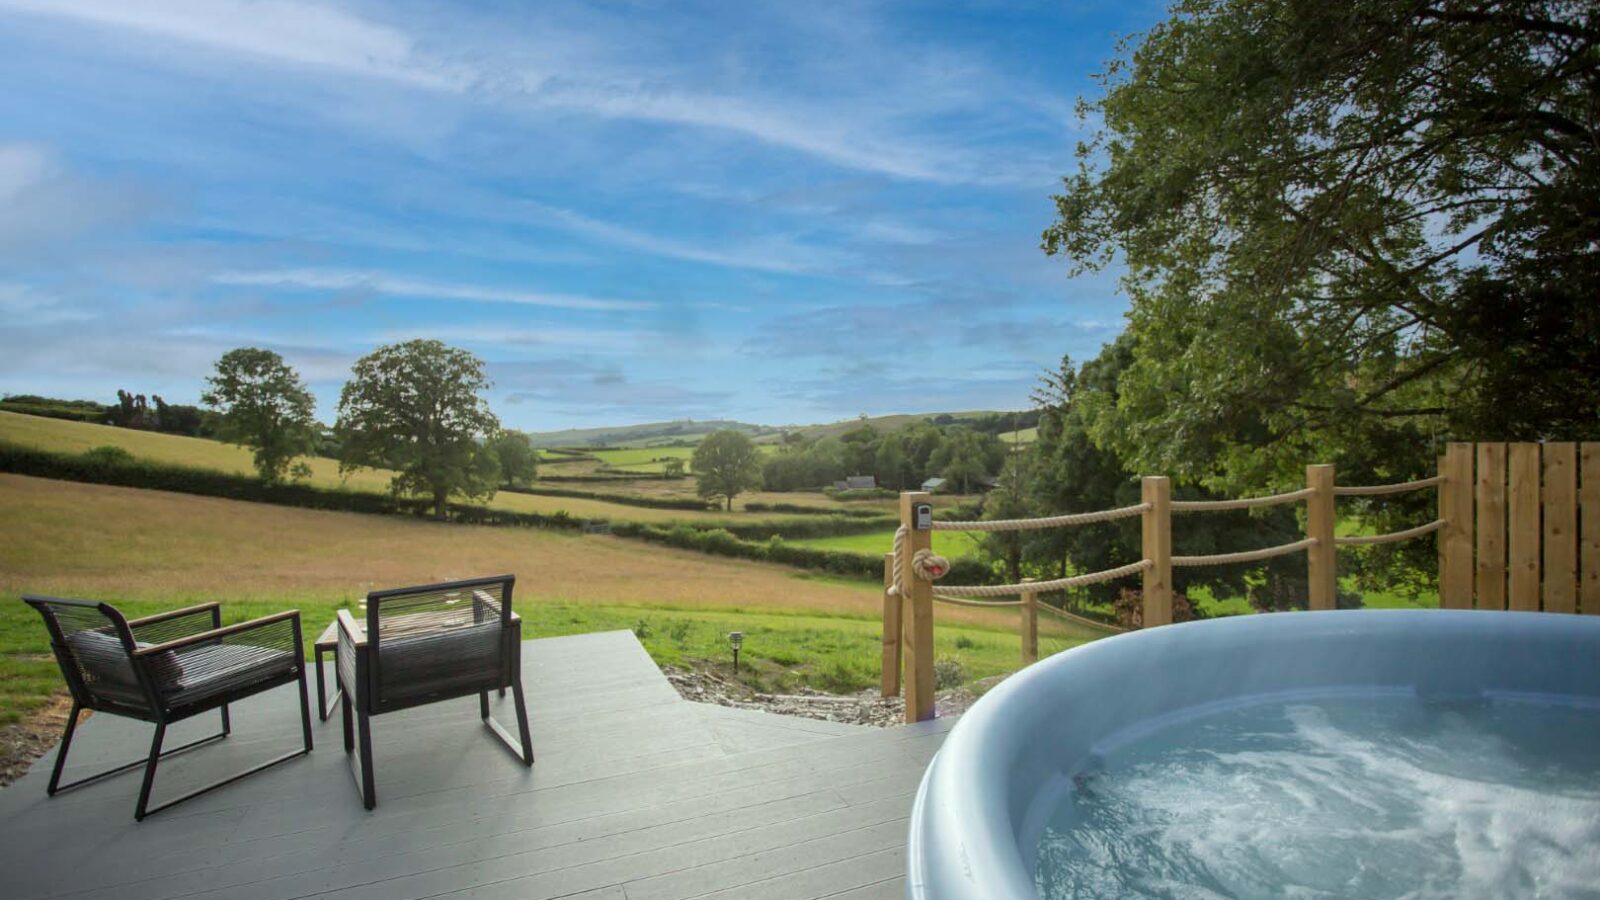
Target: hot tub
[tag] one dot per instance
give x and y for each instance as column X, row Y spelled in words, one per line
column 1061, row 735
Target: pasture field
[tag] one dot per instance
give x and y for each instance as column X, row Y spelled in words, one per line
column 952, row 544
column 1024, row 436
column 148, row 551
column 76, row 437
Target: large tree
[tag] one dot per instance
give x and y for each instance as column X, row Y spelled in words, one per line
column 726, row 464
column 519, row 460
column 418, row 408
column 1351, row 230
column 265, row 406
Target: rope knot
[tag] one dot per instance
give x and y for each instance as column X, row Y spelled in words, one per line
column 929, row 565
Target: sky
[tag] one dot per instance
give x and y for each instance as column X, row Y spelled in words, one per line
column 631, row 211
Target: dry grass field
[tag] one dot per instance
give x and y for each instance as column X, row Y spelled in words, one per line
column 151, row 550
column 75, row 437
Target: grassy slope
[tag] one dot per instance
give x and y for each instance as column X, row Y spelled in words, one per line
column 949, row 543
column 76, row 437
column 150, row 550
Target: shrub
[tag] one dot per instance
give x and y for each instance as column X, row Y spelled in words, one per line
column 108, row 455
column 948, row 672
column 1129, row 608
column 964, row 643
column 683, row 503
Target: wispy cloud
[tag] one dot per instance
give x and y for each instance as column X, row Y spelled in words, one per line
column 587, row 339
column 399, row 286
column 312, row 36
column 770, row 254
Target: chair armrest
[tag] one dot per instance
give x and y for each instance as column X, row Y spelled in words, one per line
column 219, row 633
column 173, row 614
column 349, row 625
column 177, row 623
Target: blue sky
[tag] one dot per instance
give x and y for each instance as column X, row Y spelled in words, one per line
column 778, row 212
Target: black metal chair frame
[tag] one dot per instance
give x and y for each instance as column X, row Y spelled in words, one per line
column 360, row 656
column 159, row 711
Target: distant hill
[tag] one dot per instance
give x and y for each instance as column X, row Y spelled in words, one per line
column 688, row 432
column 650, row 434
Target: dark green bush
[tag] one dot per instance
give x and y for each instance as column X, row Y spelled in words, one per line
column 797, row 509
column 685, row 503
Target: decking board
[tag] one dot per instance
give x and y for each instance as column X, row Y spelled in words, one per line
column 636, row 794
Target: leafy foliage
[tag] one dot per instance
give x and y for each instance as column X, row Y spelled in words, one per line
column 519, row 461
column 264, row 406
column 417, row 408
column 725, row 465
column 1351, row 230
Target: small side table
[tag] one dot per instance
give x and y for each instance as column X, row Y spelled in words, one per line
column 328, row 642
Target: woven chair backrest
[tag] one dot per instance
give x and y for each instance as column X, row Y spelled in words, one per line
column 93, row 645
column 438, row 639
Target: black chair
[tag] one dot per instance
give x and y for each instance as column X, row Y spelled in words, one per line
column 165, row 668
column 427, row 644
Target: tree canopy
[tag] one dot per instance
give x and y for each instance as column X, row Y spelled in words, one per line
column 726, row 464
column 1351, row 231
column 263, row 405
column 418, row 408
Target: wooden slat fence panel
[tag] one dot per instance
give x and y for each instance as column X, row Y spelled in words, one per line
column 1455, row 538
column 1523, row 523
column 1589, row 522
column 1560, row 527
column 1491, row 521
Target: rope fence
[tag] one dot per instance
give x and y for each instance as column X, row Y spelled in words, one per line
column 1222, row 559
column 1007, row 590
column 1083, row 620
column 1372, row 490
column 1391, row 537
column 1242, row 503
column 957, row 601
column 1105, row 515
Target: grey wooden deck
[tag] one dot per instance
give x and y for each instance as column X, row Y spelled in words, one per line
column 636, row 794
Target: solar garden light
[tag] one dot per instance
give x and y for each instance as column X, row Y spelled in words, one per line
column 735, row 640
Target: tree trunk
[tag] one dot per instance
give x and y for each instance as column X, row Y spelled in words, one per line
column 730, row 503
column 441, row 504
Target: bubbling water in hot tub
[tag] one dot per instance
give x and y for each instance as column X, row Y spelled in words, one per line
column 1375, row 796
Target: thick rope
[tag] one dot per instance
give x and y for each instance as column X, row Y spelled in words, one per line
column 1340, row 490
column 928, row 565
column 1006, row 590
column 899, row 546
column 960, row 602
column 1243, row 503
column 1220, row 559
column 1392, row 536
column 1085, row 620
column 1105, row 515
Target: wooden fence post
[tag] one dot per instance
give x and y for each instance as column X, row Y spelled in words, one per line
column 1030, row 626
column 1490, row 522
column 1560, row 527
column 917, row 595
column 891, row 630
column 1156, row 490
column 1455, row 537
column 1321, row 558
column 1523, row 540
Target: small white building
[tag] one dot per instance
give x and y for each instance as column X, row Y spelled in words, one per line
column 933, row 484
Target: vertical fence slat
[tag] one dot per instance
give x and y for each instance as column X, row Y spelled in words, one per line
column 1589, row 510
column 1523, row 524
column 918, row 613
column 1321, row 559
column 1030, row 626
column 1455, row 538
column 1560, row 527
column 891, row 631
column 1491, row 524
column 1156, row 490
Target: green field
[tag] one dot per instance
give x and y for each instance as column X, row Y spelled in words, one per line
column 148, row 551
column 75, row 437
column 1025, row 436
column 953, row 544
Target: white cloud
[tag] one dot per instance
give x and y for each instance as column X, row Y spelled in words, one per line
column 283, row 31
column 544, row 336
column 395, row 286
column 770, row 253
column 43, row 203
column 546, row 72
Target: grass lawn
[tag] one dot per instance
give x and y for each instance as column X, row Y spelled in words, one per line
column 148, row 551
column 953, row 544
